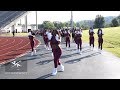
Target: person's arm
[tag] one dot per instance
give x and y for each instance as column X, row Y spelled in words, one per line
column 58, row 38
column 102, row 32
column 49, row 36
column 89, row 32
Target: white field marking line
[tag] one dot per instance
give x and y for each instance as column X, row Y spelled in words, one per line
column 8, row 44
column 12, row 46
column 19, row 55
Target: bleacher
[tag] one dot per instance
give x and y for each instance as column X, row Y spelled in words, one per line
column 6, row 17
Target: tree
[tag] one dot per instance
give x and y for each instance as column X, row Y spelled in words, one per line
column 40, row 26
column 58, row 25
column 115, row 22
column 99, row 22
column 78, row 24
column 118, row 18
column 66, row 24
column 48, row 25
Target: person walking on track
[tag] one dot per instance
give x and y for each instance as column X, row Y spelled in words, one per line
column 31, row 36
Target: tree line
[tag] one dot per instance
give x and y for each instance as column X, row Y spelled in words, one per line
column 99, row 22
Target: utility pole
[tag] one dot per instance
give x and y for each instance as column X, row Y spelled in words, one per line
column 71, row 20
column 36, row 21
column 26, row 28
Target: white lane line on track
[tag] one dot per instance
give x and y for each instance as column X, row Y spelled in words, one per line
column 16, row 49
column 12, row 46
column 20, row 54
column 7, row 44
column 5, row 41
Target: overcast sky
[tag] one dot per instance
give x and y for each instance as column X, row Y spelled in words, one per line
column 64, row 16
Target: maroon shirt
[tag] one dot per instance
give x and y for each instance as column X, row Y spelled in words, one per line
column 54, row 43
column 67, row 35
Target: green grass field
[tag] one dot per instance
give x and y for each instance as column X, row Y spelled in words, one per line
column 111, row 39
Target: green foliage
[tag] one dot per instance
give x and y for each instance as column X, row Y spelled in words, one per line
column 58, row 25
column 48, row 25
column 115, row 22
column 118, row 19
column 99, row 22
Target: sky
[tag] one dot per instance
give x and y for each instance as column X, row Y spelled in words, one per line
column 64, row 16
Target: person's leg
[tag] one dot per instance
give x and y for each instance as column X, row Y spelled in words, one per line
column 93, row 45
column 90, row 41
column 59, row 63
column 93, row 42
column 56, row 55
column 66, row 42
column 80, row 46
column 32, row 47
column 100, row 46
column 60, row 66
column 13, row 34
column 46, row 43
column 56, row 60
column 98, row 43
column 69, row 43
column 59, row 55
column 101, row 43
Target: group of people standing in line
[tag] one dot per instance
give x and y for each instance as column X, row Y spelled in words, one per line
column 52, row 40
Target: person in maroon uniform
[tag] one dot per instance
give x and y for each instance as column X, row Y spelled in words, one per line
column 45, row 38
column 67, row 39
column 79, row 41
column 31, row 36
column 73, row 35
column 75, row 40
column 100, row 39
column 91, row 38
column 57, row 52
column 13, row 33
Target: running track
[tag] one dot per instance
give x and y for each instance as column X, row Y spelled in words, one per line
column 13, row 47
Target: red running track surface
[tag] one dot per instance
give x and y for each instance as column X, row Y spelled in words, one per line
column 12, row 47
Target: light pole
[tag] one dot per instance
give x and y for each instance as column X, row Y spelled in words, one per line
column 36, row 21
column 71, row 19
column 26, row 24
